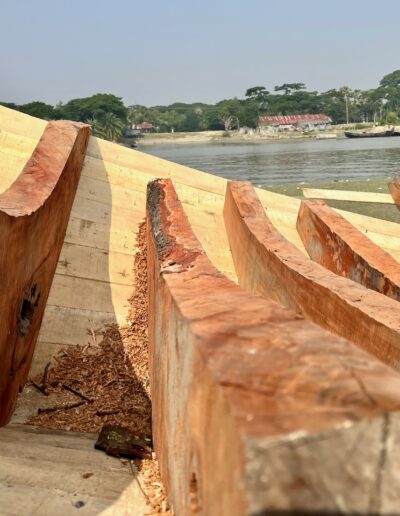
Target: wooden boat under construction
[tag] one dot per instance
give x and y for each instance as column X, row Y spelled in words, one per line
column 273, row 331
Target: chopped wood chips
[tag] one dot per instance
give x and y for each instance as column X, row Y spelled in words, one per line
column 91, row 385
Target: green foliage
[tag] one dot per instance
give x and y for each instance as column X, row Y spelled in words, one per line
column 107, row 126
column 95, row 106
column 248, row 114
column 108, row 115
column 391, row 80
column 392, row 118
column 258, row 96
column 289, row 88
column 38, row 109
column 97, row 129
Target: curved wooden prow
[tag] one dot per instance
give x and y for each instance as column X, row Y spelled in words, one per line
column 242, row 389
column 333, row 242
column 266, row 263
column 394, row 187
column 34, row 213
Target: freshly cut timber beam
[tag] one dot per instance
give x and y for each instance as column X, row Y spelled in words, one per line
column 266, row 263
column 394, row 187
column 255, row 409
column 343, row 195
column 34, row 213
column 333, row 242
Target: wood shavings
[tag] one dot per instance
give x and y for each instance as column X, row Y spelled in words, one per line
column 113, row 373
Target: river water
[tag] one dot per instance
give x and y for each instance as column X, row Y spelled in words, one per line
column 303, row 161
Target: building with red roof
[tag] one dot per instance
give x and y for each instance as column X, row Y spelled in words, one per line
column 311, row 122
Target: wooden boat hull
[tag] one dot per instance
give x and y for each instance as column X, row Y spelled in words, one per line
column 239, row 384
column 383, row 134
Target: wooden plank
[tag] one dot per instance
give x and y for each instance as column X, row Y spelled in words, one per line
column 267, row 264
column 46, row 477
column 343, row 195
column 66, row 325
column 270, row 388
column 20, row 123
column 143, row 162
column 34, row 214
column 16, row 500
column 96, row 264
column 99, row 236
column 384, row 233
column 87, row 294
column 333, row 242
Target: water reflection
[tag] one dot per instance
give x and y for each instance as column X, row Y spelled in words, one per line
column 290, row 162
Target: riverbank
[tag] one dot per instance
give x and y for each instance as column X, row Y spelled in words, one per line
column 235, row 137
column 379, row 211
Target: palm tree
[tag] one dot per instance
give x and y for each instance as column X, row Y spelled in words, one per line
column 111, row 126
column 97, row 129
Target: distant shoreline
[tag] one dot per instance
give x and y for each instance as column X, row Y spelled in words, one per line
column 234, row 138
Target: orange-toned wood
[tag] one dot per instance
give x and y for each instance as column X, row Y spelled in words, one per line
column 394, row 187
column 260, row 406
column 333, row 242
column 266, row 263
column 34, row 213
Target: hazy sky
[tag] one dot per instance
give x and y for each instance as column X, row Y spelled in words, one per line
column 158, row 52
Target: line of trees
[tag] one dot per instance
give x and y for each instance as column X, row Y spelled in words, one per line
column 109, row 116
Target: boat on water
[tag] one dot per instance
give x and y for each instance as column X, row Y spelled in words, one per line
column 374, row 133
column 260, row 358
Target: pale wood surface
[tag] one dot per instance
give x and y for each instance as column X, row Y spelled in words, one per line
column 344, row 195
column 41, row 473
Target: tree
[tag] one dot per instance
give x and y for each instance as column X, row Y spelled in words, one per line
column 248, row 114
column 38, row 109
column 171, row 120
column 191, row 121
column 289, row 88
column 228, row 111
column 389, row 88
column 109, row 126
column 391, row 80
column 258, row 95
column 392, row 118
column 9, row 105
column 210, row 120
column 137, row 114
column 95, row 106
column 97, row 129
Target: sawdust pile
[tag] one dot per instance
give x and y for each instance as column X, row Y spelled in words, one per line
column 108, row 383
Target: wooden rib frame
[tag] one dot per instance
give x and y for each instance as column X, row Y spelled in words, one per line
column 242, row 387
column 267, row 264
column 34, row 213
